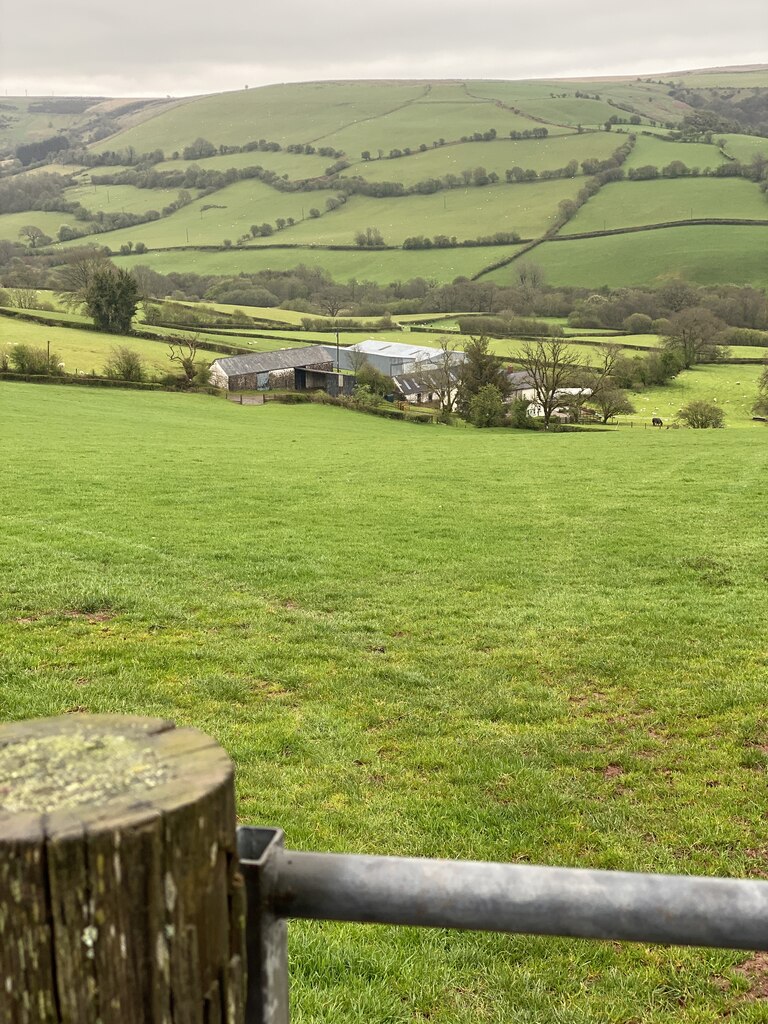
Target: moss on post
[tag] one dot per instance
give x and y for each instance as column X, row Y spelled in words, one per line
column 120, row 898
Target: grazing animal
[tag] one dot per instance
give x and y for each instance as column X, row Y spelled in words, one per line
column 657, row 422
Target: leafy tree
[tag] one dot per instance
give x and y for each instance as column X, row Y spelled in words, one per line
column 377, row 382
column 486, row 408
column 125, row 364
column 35, row 236
column 371, row 238
column 612, row 402
column 692, row 335
column 637, row 323
column 111, row 299
column 701, row 414
column 480, row 367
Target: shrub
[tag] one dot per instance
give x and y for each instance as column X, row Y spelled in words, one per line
column 701, row 414
column 124, row 364
column 35, row 361
column 486, row 408
column 637, row 323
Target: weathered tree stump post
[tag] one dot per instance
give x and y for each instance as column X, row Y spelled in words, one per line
column 120, row 896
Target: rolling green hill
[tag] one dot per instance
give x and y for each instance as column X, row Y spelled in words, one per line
column 417, row 137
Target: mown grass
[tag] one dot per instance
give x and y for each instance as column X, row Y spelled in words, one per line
column 626, row 204
column 412, row 640
column 703, row 255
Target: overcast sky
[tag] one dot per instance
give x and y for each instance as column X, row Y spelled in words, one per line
column 177, row 47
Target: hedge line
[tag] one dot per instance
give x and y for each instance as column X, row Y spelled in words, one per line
column 94, row 382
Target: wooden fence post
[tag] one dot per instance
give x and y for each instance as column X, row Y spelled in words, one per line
column 120, row 895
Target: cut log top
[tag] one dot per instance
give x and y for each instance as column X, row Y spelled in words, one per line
column 120, row 896
column 88, row 771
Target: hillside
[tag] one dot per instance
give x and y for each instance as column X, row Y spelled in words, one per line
column 403, row 179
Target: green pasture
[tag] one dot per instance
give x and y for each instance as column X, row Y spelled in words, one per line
column 724, row 79
column 232, row 211
column 744, row 147
column 733, row 388
column 88, row 351
column 704, row 254
column 365, row 265
column 118, row 199
column 552, row 102
column 424, row 121
column 464, row 212
column 299, row 112
column 625, row 204
column 559, row 661
column 49, row 223
column 539, row 154
column 658, row 152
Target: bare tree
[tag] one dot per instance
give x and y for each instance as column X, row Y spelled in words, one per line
column 183, row 351
column 76, row 277
column 553, row 368
column 443, row 374
column 357, row 359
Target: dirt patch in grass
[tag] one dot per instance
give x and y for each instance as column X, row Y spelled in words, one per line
column 755, row 970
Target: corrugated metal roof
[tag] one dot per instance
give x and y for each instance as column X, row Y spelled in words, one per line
column 416, row 384
column 266, row 362
column 397, row 350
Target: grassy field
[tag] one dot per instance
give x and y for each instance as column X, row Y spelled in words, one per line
column 625, row 204
column 12, row 223
column 702, row 255
column 88, row 351
column 560, row 661
column 658, row 152
column 440, row 264
column 540, row 154
column 117, row 199
column 743, row 147
column 295, row 165
column 733, row 388
column 280, row 113
column 465, row 213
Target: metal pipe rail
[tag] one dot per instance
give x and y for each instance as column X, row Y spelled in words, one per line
column 675, row 909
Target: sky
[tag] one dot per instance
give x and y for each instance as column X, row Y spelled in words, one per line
column 170, row 47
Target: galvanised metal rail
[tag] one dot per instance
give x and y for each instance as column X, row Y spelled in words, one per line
column 280, row 884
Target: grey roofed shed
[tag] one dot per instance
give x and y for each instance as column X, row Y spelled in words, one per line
column 267, row 362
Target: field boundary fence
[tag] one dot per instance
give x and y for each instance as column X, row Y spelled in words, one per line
column 282, row 884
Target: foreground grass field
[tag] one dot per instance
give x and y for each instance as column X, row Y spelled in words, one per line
column 414, row 640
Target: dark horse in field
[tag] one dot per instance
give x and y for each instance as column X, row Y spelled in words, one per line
column 657, row 422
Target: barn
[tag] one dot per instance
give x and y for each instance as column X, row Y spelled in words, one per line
column 263, row 370
column 391, row 357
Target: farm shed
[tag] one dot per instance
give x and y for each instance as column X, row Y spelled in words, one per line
column 262, row 370
column 390, row 357
column 420, row 388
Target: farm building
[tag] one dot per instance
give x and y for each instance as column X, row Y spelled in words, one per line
column 391, row 357
column 421, row 388
column 522, row 387
column 261, row 370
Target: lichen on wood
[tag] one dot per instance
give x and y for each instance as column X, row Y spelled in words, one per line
column 120, row 896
